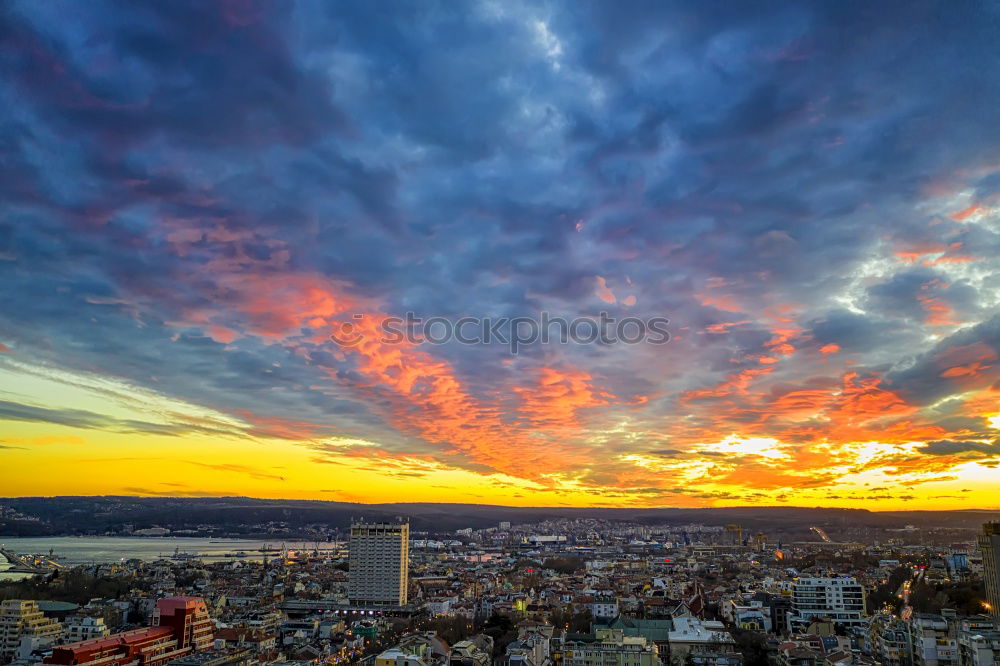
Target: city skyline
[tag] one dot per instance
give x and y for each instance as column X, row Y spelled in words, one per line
column 210, row 211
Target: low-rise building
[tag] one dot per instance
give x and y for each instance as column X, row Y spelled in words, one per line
column 609, row 647
column 85, row 628
column 475, row 651
column 932, row 641
column 532, row 647
column 604, row 607
column 708, row 643
column 979, row 641
column 889, row 640
column 396, row 657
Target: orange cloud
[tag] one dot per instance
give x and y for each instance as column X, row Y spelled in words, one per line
column 865, row 398
column 554, row 401
column 221, row 334
column 779, row 343
column 280, row 428
column 737, row 382
column 423, row 396
column 970, row 370
column 280, row 306
column 966, row 213
column 912, row 252
column 805, row 402
column 602, row 291
column 949, row 254
column 970, row 365
column 719, row 302
column 726, row 326
column 939, row 312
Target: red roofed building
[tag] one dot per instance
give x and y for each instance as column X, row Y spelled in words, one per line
column 181, row 625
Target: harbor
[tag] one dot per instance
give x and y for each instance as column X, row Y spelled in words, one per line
column 28, row 563
column 34, row 555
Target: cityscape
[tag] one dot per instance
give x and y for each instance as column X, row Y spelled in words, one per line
column 499, row 333
column 560, row 592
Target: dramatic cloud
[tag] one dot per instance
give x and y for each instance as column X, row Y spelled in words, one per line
column 197, row 195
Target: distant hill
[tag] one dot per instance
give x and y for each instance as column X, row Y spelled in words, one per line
column 244, row 515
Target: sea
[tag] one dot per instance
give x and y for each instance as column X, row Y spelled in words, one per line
column 71, row 551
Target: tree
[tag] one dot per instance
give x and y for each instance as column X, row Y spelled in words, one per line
column 501, row 629
column 74, row 585
column 752, row 645
column 451, row 628
column 886, row 594
column 563, row 565
column 575, row 622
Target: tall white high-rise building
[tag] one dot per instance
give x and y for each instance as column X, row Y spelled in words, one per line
column 379, row 564
column 837, row 598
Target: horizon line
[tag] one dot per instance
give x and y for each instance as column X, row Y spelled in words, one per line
column 507, row 506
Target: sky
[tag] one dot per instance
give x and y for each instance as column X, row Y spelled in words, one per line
column 194, row 196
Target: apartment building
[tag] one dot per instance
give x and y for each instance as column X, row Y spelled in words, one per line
column 840, row 599
column 979, row 641
column 85, row 629
column 23, row 619
column 933, row 641
column 379, row 560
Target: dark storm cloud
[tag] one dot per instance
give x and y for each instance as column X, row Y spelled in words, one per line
column 851, row 331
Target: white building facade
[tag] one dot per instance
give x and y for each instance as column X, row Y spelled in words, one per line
column 837, row 598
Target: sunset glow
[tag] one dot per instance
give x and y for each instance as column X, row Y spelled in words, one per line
column 195, row 199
